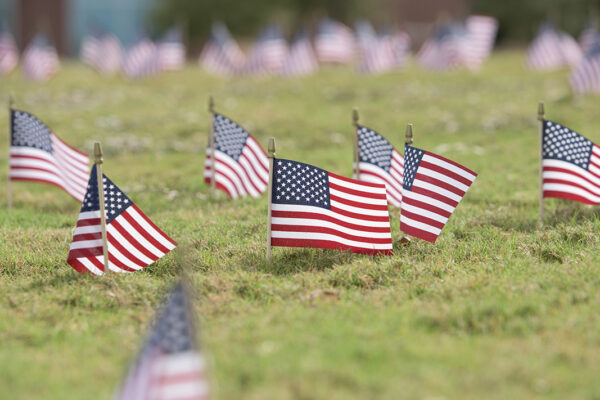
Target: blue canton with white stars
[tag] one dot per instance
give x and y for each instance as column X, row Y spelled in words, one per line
column 28, row 131
column 412, row 160
column 300, row 184
column 173, row 331
column 115, row 201
column 230, row 138
column 374, row 149
column 561, row 143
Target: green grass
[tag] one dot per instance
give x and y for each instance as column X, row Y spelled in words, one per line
column 498, row 308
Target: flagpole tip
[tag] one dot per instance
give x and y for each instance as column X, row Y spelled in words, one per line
column 271, row 148
column 408, row 136
column 355, row 116
column 540, row 110
column 211, row 104
column 98, row 159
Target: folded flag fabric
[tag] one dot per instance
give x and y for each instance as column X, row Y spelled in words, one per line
column 40, row 60
column 38, row 155
column 169, row 366
column 380, row 162
column 241, row 165
column 133, row 240
column 315, row 208
column 432, row 188
column 571, row 165
column 9, row 54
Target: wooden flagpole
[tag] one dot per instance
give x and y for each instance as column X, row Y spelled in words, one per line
column 408, row 139
column 98, row 161
column 540, row 117
column 356, row 156
column 271, row 155
column 211, row 109
column 9, row 182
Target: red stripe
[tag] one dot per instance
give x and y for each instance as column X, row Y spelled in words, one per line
column 244, row 190
column 156, row 228
column 359, row 193
column 567, row 196
column 433, row 195
column 117, row 245
column 423, row 219
column 118, row 263
column 47, row 182
column 330, row 231
column 88, row 222
column 360, row 183
column 35, row 169
column 418, row 233
column 572, row 184
column 447, row 172
column 87, row 236
column 357, row 204
column 30, row 157
column 426, row 206
column 440, row 184
column 364, row 217
column 457, row 165
column 245, row 170
column 138, row 246
column 220, row 186
column 327, row 244
column 77, row 265
column 388, row 192
column 323, row 217
column 88, row 252
column 259, row 157
column 255, row 173
column 66, row 145
column 145, row 234
column 577, row 174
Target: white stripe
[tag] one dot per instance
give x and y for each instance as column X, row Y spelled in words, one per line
column 117, row 255
column 360, row 199
column 84, row 244
column 80, row 230
column 90, row 266
column 574, row 169
column 244, row 184
column 436, row 189
column 450, row 167
column 425, row 213
column 333, row 238
column 260, row 153
column 444, row 178
column 137, row 236
column 558, row 187
column 319, row 210
column 326, row 224
column 357, row 186
column 571, row 178
column 428, row 200
column 130, row 247
column 363, row 211
column 419, row 225
column 159, row 237
column 88, row 215
column 67, row 150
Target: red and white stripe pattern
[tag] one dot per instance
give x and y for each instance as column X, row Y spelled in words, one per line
column 40, row 60
column 481, row 35
column 586, row 76
column 241, row 165
column 588, row 38
column 571, row 165
column 334, row 42
column 9, row 54
column 133, row 240
column 169, row 367
column 142, row 60
column 432, row 188
column 551, row 50
column 301, row 60
column 444, row 49
column 102, row 53
column 38, row 155
column 380, row 162
column 171, row 51
column 221, row 55
column 315, row 208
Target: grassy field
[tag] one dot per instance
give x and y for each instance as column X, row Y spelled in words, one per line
column 498, row 308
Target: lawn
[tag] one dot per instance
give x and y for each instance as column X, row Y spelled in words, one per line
column 498, row 308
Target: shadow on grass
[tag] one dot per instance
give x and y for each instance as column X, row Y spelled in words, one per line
column 288, row 261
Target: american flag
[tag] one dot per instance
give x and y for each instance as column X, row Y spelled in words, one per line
column 588, row 37
column 432, row 188
column 334, row 42
column 38, row 155
column 444, row 49
column 376, row 52
column 9, row 54
column 481, row 34
column 171, row 50
column 242, row 167
column 268, row 53
column 315, row 208
column 586, row 76
column 104, row 53
column 170, row 366
column 552, row 49
column 301, row 60
column 571, row 50
column 571, row 165
column 221, row 55
column 133, row 241
column 40, row 60
column 380, row 162
column 401, row 48
column 142, row 60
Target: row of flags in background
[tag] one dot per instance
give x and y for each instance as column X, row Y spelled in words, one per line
column 554, row 49
column 39, row 60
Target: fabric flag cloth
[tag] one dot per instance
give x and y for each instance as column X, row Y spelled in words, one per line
column 315, row 208
column 380, row 162
column 9, row 54
column 589, row 36
column 334, row 42
column 141, row 60
column 376, row 52
column 586, row 76
column 301, row 59
column 444, row 49
column 133, row 240
column 38, row 155
column 241, row 165
column 89, row 51
column 571, row 165
column 552, row 49
column 40, row 60
column 221, row 55
column 171, row 51
column 432, row 188
column 481, row 35
column 268, row 53
column 169, row 366
column 104, row 53
column 400, row 42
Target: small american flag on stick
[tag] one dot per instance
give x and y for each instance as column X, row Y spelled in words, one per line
column 433, row 187
column 133, row 240
column 169, row 367
column 315, row 208
column 241, row 165
column 38, row 155
column 571, row 165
